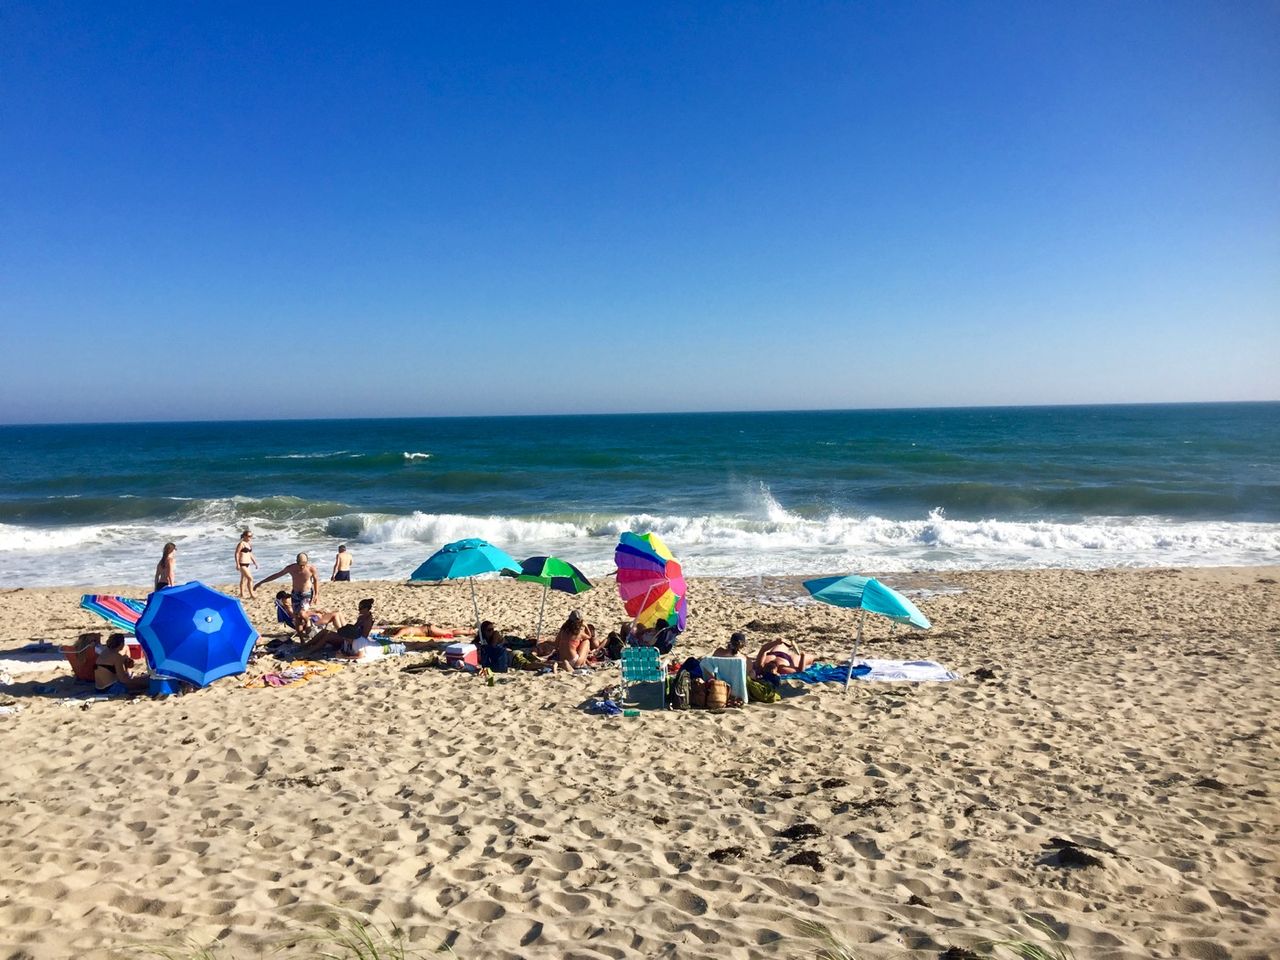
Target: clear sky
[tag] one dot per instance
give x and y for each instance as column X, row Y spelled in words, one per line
column 276, row 210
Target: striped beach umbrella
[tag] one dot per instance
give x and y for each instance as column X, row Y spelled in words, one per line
column 650, row 581
column 121, row 612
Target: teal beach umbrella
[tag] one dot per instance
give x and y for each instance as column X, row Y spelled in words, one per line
column 554, row 574
column 866, row 594
column 465, row 558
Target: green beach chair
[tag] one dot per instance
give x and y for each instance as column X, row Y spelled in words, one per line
column 643, row 665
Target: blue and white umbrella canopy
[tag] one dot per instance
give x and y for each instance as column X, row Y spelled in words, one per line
column 195, row 633
column 465, row 558
column 866, row 594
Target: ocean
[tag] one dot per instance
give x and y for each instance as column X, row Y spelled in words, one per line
column 732, row 493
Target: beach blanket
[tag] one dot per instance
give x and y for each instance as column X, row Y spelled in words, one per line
column 299, row 672
column 913, row 671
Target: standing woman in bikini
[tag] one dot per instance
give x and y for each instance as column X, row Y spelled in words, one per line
column 244, row 560
column 164, row 569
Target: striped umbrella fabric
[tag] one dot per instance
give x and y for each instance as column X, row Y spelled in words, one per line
column 650, row 580
column 121, row 612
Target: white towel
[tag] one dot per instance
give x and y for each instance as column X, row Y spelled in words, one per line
column 915, row 671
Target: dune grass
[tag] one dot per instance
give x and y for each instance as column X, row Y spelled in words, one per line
column 1039, row 942
column 349, row 937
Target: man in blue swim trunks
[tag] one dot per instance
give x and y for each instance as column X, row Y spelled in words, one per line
column 342, row 565
column 306, row 583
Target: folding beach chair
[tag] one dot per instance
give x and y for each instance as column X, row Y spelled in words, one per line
column 643, row 665
column 282, row 615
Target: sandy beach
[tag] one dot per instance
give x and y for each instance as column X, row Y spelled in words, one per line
column 1125, row 724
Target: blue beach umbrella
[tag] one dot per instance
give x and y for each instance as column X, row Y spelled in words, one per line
column 465, row 558
column 866, row 594
column 195, row 633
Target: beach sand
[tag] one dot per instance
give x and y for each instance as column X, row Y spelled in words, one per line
column 1131, row 713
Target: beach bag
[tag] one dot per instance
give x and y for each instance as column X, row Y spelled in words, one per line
column 698, row 693
column 680, row 690
column 758, row 692
column 717, row 694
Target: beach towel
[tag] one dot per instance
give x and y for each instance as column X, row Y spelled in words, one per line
column 913, row 671
column 298, row 673
column 32, row 659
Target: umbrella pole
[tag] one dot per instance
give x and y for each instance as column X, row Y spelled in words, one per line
column 474, row 605
column 856, row 640
column 537, row 635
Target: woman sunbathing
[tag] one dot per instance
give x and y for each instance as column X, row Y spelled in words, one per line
column 774, row 661
column 428, row 631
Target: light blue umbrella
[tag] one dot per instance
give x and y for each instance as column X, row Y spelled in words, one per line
column 465, row 558
column 866, row 593
column 195, row 633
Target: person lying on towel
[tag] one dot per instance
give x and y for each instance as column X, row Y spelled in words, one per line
column 779, row 657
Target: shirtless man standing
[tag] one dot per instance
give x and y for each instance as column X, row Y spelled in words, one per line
column 306, row 583
column 342, row 564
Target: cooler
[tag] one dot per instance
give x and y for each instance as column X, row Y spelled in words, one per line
column 164, row 686
column 459, row 656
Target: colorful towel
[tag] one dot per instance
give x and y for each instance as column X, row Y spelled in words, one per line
column 299, row 672
column 913, row 671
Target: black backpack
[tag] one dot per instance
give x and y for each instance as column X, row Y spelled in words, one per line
column 678, row 691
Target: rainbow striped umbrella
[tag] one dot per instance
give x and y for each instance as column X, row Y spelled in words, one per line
column 121, row 612
column 650, row 580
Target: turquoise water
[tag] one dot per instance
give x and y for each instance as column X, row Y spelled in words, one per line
column 747, row 493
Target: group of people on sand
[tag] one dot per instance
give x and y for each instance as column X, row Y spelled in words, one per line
column 575, row 645
column 246, row 563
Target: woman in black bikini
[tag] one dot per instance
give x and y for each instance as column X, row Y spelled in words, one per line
column 245, row 560
column 111, row 675
column 164, row 569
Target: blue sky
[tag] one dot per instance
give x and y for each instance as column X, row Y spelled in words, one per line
column 274, row 210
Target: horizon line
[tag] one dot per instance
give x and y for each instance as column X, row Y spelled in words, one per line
column 641, row 413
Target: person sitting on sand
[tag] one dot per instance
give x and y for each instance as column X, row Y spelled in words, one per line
column 493, row 648
column 111, row 675
column 306, row 582
column 773, row 661
column 360, row 629
column 574, row 642
column 737, row 647
column 662, row 635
